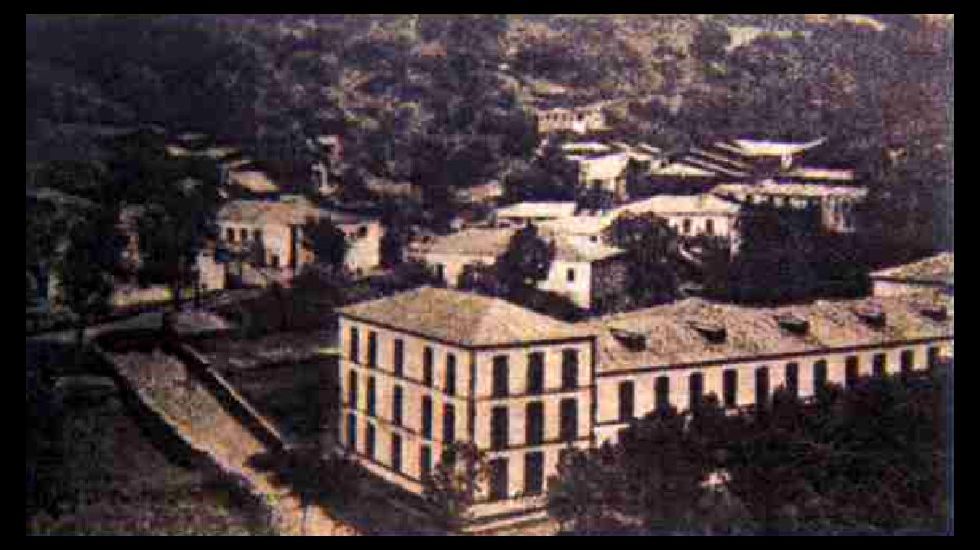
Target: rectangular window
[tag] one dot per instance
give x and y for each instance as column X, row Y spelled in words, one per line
column 274, row 261
column 569, row 419
column 370, row 397
column 730, row 387
column 372, row 351
column 500, row 374
column 535, row 373
column 878, row 365
column 244, row 235
column 933, row 357
column 907, row 359
column 625, row 401
column 396, row 406
column 762, row 386
column 354, row 345
column 257, row 235
column 369, row 440
column 498, row 428
column 351, row 431
column 569, row 369
column 850, row 370
column 448, row 423
column 533, row 473
column 396, row 452
column 426, row 417
column 450, row 374
column 352, row 390
column 399, row 357
column 570, row 275
column 534, row 423
column 662, row 393
column 425, row 461
column 696, row 389
column 230, row 235
column 498, row 479
column 687, row 226
column 709, row 227
column 427, row 366
column 819, row 374
column 793, row 379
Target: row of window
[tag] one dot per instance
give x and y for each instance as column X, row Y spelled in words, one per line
column 533, row 424
column 686, row 226
column 533, row 476
column 762, row 390
column 230, row 235
column 370, row 434
column 500, row 374
column 397, row 398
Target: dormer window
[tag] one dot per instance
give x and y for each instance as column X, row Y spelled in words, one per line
column 935, row 312
column 634, row 341
column 713, row 332
column 871, row 314
column 793, row 323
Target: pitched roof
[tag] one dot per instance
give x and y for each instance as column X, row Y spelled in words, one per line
column 791, row 189
column 670, row 338
column 492, row 242
column 814, row 173
column 461, row 318
column 760, row 148
column 680, row 204
column 934, row 269
column 262, row 212
column 537, row 210
column 253, row 180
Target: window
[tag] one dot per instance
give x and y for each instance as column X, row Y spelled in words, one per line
column 441, row 272
column 534, row 423
column 907, row 359
column 230, row 235
column 425, row 461
column 687, row 226
column 396, row 452
column 396, row 406
column 399, row 357
column 448, row 423
column 450, row 374
column 793, row 379
column 696, row 389
column 500, row 374
column 709, row 227
column 274, row 261
column 369, row 439
column 533, row 473
column 819, row 374
column 569, row 419
column 370, row 396
column 933, row 357
column 569, row 369
column 257, row 235
column 351, row 431
column 498, row 479
column 730, row 387
column 352, row 390
column 535, row 372
column 762, row 386
column 354, row 345
column 625, row 401
column 878, row 365
column 662, row 393
column 372, row 357
column 244, row 235
column 426, row 417
column 850, row 370
column 498, row 428
column 427, row 366
column 570, row 275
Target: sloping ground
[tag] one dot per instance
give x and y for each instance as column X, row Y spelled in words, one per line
column 164, row 384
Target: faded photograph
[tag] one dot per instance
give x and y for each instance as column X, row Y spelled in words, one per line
column 489, row 274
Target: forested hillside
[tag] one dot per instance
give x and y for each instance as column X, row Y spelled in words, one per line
column 443, row 100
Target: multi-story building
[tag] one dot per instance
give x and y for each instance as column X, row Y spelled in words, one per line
column 586, row 273
column 430, row 366
column 835, row 203
column 581, row 120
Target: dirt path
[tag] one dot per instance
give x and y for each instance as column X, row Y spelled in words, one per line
column 164, row 383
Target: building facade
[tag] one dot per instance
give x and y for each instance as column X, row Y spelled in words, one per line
column 836, row 204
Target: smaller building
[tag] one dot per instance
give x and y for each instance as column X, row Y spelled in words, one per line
column 835, row 202
column 928, row 276
column 524, row 213
column 581, row 120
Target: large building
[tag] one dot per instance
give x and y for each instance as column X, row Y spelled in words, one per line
column 587, row 273
column 431, row 366
column 836, row 204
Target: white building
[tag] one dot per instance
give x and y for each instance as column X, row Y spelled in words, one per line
column 580, row 120
column 585, row 272
column 836, row 203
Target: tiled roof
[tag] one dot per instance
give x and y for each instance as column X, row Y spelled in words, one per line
column 461, row 318
column 681, row 169
column 268, row 212
column 937, row 269
column 681, row 204
column 670, row 339
column 537, row 210
column 805, row 172
column 492, row 242
column 791, row 189
column 757, row 148
column 254, row 180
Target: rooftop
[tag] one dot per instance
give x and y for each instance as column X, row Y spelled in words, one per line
column 461, row 318
column 791, row 189
column 492, row 242
column 254, row 180
column 670, row 339
column 934, row 269
column 764, row 148
column 537, row 210
column 681, row 204
column 821, row 173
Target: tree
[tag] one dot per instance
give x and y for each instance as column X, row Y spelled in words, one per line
column 653, row 253
column 453, row 485
column 85, row 271
column 327, row 242
column 526, row 261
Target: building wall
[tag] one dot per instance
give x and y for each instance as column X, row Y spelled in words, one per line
column 607, row 391
column 575, row 120
column 212, row 273
column 364, row 245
